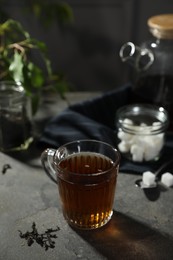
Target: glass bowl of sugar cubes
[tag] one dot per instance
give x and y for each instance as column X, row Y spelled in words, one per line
column 141, row 131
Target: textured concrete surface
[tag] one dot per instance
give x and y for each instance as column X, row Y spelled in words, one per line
column 141, row 227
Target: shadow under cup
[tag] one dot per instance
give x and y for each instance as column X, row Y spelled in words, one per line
column 87, row 175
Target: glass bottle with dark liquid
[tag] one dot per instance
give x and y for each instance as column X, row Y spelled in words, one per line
column 156, row 89
column 153, row 64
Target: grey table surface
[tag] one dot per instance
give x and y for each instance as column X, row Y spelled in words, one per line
column 141, row 226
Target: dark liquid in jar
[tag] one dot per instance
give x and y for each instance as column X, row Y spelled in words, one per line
column 15, row 129
column 87, row 203
column 156, row 89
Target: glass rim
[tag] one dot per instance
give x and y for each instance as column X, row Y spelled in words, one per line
column 114, row 164
column 143, row 109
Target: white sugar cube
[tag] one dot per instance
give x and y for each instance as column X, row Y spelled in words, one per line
column 156, row 125
column 137, row 157
column 137, row 153
column 143, row 124
column 128, row 121
column 124, row 136
column 143, row 128
column 167, row 179
column 134, row 148
column 158, row 141
column 148, row 178
column 137, row 140
column 123, row 147
column 151, row 152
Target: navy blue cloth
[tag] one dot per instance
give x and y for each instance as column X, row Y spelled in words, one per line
column 91, row 119
column 95, row 119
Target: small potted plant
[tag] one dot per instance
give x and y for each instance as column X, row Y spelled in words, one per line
column 17, row 63
column 21, row 76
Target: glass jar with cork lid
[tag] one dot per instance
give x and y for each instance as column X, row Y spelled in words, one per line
column 153, row 61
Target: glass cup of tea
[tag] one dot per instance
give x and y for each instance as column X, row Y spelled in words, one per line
column 86, row 173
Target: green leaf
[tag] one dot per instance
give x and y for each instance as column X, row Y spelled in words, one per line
column 37, row 44
column 36, row 8
column 49, row 12
column 13, row 25
column 63, row 12
column 33, row 78
column 16, row 67
column 36, row 75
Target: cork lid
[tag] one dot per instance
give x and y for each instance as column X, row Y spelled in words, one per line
column 161, row 26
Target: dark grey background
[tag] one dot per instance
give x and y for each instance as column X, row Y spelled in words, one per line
column 87, row 51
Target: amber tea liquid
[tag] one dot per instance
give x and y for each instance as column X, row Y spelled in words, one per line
column 87, row 196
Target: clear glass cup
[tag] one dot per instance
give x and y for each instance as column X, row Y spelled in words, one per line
column 86, row 173
column 141, row 131
column 15, row 117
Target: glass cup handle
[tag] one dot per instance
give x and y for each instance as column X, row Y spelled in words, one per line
column 47, row 163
